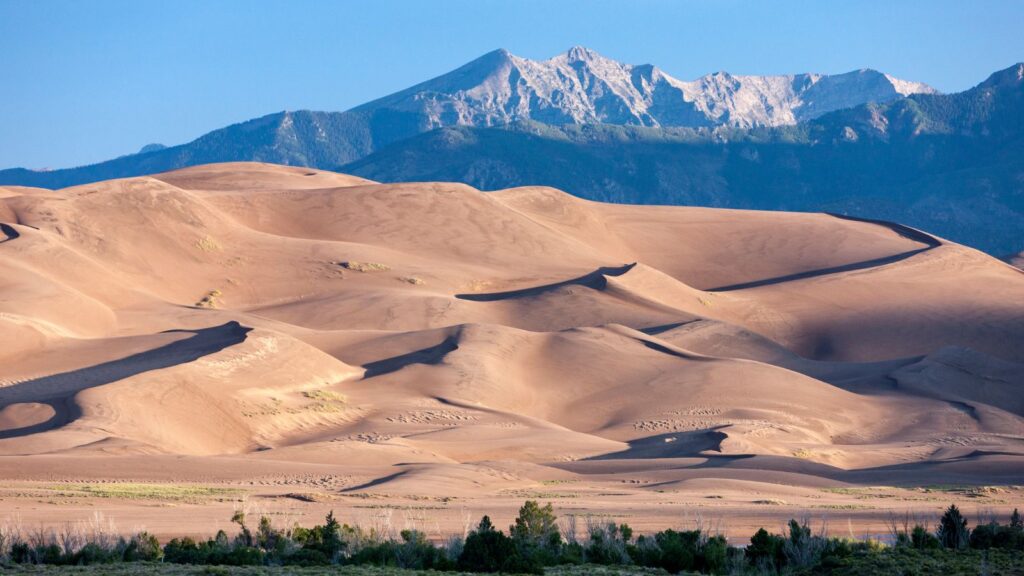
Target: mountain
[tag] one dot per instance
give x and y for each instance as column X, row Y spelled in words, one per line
column 583, row 87
column 1016, row 260
column 577, row 87
column 154, row 147
column 951, row 164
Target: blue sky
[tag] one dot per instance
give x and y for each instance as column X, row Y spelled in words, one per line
column 84, row 81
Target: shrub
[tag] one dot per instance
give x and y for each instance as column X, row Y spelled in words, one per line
column 413, row 552
column 181, row 551
column 365, row 266
column 765, row 550
column 688, row 550
column 715, row 555
column 143, row 547
column 678, row 549
column 48, row 554
column 607, row 543
column 306, row 557
column 21, row 553
column 417, row 553
column 922, row 539
column 535, row 535
column 326, row 539
column 803, row 549
column 486, row 549
column 91, row 553
column 645, row 552
column 993, row 535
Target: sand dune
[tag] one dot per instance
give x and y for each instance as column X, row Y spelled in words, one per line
column 404, row 341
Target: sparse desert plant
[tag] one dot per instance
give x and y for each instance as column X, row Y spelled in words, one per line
column 414, row 280
column 207, row 244
column 357, row 266
column 325, row 400
column 144, row 491
column 210, row 300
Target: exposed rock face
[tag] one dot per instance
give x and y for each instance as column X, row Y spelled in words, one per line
column 583, row 87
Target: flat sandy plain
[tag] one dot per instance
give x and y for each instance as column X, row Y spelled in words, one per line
column 291, row 341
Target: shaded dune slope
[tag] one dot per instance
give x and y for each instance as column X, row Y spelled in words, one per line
column 428, row 331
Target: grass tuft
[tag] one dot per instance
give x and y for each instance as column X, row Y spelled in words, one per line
column 143, row 491
column 325, row 400
column 365, row 266
column 210, row 300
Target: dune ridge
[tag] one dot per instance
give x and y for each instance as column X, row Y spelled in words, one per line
column 430, row 339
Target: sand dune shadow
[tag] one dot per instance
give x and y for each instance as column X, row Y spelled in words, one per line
column 58, row 390
column 595, row 280
column 907, row 232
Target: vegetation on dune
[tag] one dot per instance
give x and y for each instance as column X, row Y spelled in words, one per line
column 210, row 300
column 537, row 543
column 325, row 400
column 143, row 491
column 364, row 266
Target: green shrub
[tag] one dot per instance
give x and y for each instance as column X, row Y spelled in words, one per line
column 486, row 549
column 765, row 550
column 993, row 535
column 326, row 539
column 21, row 553
column 534, row 542
column 678, row 549
column 306, row 557
column 92, row 553
column 922, row 539
column 143, row 547
column 607, row 544
column 715, row 555
column 535, row 535
column 414, row 552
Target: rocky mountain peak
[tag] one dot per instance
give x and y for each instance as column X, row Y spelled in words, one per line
column 1008, row 77
column 581, row 54
column 581, row 86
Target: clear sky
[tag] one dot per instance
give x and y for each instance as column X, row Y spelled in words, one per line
column 84, row 81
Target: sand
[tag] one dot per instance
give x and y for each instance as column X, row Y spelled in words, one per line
column 293, row 341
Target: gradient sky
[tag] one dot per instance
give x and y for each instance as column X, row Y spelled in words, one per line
column 85, row 81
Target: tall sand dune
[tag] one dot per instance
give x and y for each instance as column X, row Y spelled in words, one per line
column 281, row 327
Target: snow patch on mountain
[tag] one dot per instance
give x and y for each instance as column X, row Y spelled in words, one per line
column 584, row 87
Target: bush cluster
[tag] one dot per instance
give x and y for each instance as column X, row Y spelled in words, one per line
column 533, row 542
column 954, row 533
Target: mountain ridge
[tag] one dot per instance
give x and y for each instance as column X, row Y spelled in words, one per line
column 949, row 164
column 578, row 86
column 581, row 86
